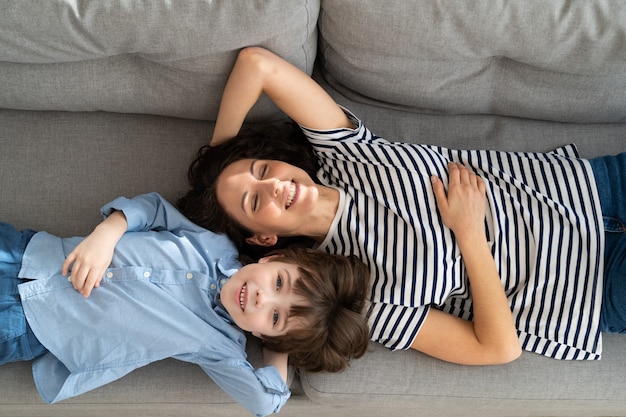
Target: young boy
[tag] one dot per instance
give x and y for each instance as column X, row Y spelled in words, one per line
column 172, row 289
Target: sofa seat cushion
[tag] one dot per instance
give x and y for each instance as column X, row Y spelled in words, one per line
column 533, row 383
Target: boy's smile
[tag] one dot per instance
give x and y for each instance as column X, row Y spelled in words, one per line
column 242, row 297
column 259, row 296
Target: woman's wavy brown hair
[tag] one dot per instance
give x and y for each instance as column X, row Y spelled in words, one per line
column 284, row 143
column 332, row 329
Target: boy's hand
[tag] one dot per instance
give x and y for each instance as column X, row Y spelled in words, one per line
column 90, row 259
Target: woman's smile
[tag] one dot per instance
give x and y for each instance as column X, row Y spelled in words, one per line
column 292, row 194
column 272, row 198
column 267, row 196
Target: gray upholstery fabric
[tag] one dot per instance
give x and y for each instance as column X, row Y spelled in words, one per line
column 536, row 383
column 562, row 60
column 155, row 57
column 481, row 131
column 59, row 168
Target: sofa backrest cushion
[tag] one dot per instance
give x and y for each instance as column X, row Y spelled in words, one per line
column 154, row 57
column 559, row 60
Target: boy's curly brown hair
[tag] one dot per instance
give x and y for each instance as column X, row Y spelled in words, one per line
column 335, row 329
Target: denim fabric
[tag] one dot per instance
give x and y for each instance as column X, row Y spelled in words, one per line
column 17, row 342
column 610, row 173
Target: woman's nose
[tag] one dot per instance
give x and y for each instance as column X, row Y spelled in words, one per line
column 270, row 187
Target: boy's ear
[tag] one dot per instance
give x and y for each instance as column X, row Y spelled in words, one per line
column 260, row 240
column 268, row 258
column 255, row 334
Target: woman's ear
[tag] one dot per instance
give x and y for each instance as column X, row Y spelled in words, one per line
column 259, row 240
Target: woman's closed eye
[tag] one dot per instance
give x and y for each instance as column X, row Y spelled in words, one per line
column 263, row 171
column 261, row 175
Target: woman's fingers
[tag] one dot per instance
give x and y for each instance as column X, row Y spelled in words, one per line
column 464, row 202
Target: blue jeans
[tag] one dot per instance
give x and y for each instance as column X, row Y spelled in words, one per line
column 610, row 173
column 17, row 341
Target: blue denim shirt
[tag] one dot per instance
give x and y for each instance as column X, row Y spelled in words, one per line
column 158, row 299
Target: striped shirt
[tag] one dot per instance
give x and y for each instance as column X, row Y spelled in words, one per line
column 543, row 225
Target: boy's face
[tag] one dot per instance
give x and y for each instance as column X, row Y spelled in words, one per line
column 259, row 296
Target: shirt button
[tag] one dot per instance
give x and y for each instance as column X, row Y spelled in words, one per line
column 146, row 274
column 109, row 274
column 189, row 275
column 223, row 281
column 213, row 286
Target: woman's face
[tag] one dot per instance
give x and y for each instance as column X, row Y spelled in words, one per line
column 267, row 197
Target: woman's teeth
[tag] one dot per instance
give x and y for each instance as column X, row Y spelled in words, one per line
column 292, row 194
column 242, row 296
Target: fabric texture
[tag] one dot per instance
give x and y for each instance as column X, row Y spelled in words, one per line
column 480, row 57
column 610, row 173
column 155, row 57
column 17, row 343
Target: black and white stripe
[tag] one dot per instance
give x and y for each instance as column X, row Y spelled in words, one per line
column 543, row 224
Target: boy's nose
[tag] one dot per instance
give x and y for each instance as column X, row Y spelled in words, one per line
column 260, row 299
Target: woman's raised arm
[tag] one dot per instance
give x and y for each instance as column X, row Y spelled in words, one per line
column 258, row 71
column 492, row 337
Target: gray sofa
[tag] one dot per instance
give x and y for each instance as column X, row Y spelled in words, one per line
column 113, row 97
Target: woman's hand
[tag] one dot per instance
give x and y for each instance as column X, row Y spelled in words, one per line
column 491, row 338
column 90, row 259
column 463, row 209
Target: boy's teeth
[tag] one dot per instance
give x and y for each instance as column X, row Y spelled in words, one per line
column 242, row 296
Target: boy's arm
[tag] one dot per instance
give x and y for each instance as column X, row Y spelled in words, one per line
column 258, row 71
column 149, row 212
column 278, row 360
column 93, row 255
column 262, row 391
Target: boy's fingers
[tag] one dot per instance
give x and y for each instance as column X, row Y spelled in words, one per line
column 93, row 280
column 65, row 269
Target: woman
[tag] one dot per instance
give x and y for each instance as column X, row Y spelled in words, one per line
column 542, row 240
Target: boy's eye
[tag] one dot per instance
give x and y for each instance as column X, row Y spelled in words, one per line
column 275, row 318
column 279, row 283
